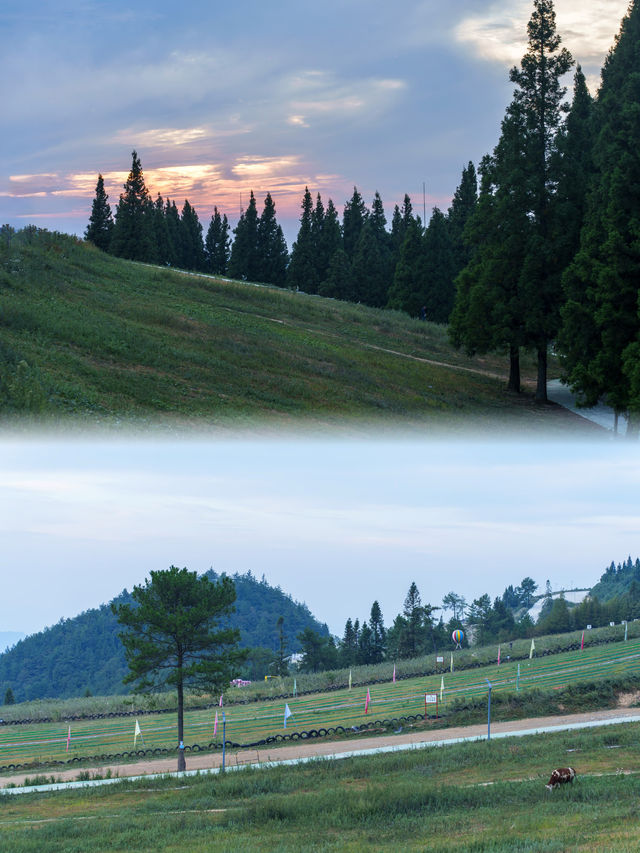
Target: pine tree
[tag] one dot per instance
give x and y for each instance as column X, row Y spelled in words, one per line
column 272, row 248
column 540, row 97
column 378, row 634
column 327, row 239
column 217, row 245
column 601, row 328
column 192, row 244
column 438, row 269
column 172, row 218
column 133, row 232
column 338, row 282
column 349, row 645
column 161, row 231
column 302, row 273
column 407, row 289
column 100, row 225
column 462, row 207
column 353, row 219
column 244, row 261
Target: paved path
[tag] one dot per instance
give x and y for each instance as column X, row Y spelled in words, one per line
column 600, row 414
column 359, row 745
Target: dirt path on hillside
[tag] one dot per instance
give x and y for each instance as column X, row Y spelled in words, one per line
column 317, row 748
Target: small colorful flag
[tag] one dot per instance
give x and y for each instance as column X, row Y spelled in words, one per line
column 295, row 689
column 441, row 687
column 582, row 642
column 215, row 725
column 498, row 655
column 349, row 679
column 220, row 702
column 394, row 673
column 137, row 732
column 532, row 649
column 451, row 661
column 68, row 738
column 287, row 714
column 366, row 702
column 625, row 631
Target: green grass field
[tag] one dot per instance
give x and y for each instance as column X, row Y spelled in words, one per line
column 110, row 342
column 468, row 797
column 249, row 723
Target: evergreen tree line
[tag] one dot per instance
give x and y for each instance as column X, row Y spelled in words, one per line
column 409, row 267
column 553, row 249
column 416, row 631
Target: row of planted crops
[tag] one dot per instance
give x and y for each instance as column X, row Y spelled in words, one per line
column 310, row 715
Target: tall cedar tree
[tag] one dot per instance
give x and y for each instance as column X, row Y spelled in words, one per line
column 175, row 235
column 402, row 217
column 161, row 231
column 100, row 224
column 539, row 95
column 601, row 330
column 302, row 274
column 192, row 244
column 462, row 207
column 489, row 310
column 338, row 281
column 407, row 289
column 217, row 245
column 378, row 634
column 272, row 247
column 439, row 269
column 172, row 636
column 353, row 218
column 328, row 242
column 133, row 234
column 372, row 259
column 244, row 262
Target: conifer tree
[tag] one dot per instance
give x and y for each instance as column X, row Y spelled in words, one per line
column 161, row 231
column 302, row 273
column 463, row 205
column 192, row 244
column 272, row 247
column 133, row 234
column 540, row 95
column 217, row 244
column 338, row 282
column 407, row 289
column 172, row 218
column 353, row 218
column 378, row 634
column 601, row 329
column 438, row 269
column 244, row 260
column 100, row 225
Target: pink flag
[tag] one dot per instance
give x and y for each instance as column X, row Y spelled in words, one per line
column 220, row 702
column 215, row 725
column 68, row 738
column 582, row 643
column 366, row 702
column 394, row 673
column 498, row 655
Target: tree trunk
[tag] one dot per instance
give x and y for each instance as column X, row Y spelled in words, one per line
column 633, row 426
column 541, row 386
column 514, row 369
column 182, row 764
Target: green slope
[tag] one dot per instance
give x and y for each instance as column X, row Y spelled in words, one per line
column 102, row 339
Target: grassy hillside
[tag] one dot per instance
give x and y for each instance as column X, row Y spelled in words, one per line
column 107, row 340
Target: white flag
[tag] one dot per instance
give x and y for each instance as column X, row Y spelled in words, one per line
column 287, row 714
column 136, row 732
column 441, row 687
column 532, row 649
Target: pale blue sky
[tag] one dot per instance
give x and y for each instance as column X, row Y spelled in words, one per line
column 336, row 524
column 222, row 98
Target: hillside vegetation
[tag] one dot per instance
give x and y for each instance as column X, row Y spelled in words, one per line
column 85, row 653
column 108, row 340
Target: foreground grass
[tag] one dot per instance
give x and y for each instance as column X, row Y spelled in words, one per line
column 107, row 340
column 471, row 797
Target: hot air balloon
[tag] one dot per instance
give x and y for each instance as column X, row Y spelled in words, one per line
column 457, row 638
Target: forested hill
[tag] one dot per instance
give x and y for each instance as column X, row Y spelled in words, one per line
column 617, row 580
column 84, row 653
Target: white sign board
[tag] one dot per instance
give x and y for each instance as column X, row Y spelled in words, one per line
column 431, row 698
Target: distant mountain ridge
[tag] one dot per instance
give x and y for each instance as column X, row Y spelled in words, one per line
column 84, row 652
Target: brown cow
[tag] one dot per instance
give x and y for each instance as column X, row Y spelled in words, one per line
column 560, row 777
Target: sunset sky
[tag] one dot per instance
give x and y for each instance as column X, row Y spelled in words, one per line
column 220, row 99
